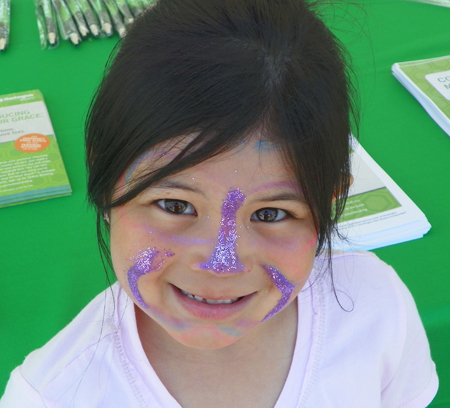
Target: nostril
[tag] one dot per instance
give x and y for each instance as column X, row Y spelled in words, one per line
column 226, row 264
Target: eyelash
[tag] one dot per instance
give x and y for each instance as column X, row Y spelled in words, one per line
column 170, row 205
column 277, row 211
column 164, row 204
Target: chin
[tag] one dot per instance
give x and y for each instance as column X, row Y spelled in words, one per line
column 206, row 338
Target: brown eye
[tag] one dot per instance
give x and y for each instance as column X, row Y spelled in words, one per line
column 176, row 206
column 269, row 215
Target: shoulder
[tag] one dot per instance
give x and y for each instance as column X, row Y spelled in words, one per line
column 79, row 358
column 361, row 265
column 94, row 325
column 363, row 291
column 353, row 283
column 372, row 333
column 364, row 277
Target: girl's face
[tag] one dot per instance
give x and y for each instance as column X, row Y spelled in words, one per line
column 214, row 251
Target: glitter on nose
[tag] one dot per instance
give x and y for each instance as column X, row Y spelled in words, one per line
column 283, row 285
column 224, row 258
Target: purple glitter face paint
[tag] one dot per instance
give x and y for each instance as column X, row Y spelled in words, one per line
column 143, row 264
column 224, row 258
column 283, row 285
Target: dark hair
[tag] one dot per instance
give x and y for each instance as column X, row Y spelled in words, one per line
column 221, row 70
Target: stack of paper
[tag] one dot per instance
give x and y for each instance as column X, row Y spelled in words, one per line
column 31, row 167
column 378, row 213
column 443, row 3
column 429, row 82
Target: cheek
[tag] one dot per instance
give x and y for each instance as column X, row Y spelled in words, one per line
column 293, row 256
column 295, row 262
column 301, row 258
column 146, row 262
column 136, row 254
column 131, row 233
column 139, row 227
column 140, row 275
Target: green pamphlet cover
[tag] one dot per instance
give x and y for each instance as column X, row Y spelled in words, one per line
column 377, row 212
column 31, row 166
column 429, row 82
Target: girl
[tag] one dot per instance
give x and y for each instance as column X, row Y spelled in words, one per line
column 216, row 147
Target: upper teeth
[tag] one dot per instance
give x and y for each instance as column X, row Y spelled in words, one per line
column 209, row 301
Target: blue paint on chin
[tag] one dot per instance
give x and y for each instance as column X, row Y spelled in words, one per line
column 230, row 331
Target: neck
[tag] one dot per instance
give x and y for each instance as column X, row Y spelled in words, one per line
column 157, row 342
column 229, row 372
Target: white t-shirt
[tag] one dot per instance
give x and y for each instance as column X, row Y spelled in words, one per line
column 367, row 350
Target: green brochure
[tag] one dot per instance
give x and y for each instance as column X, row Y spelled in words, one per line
column 443, row 3
column 31, row 166
column 369, row 195
column 429, row 82
column 377, row 212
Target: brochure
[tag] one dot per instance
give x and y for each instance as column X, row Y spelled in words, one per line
column 31, row 167
column 429, row 82
column 377, row 213
column 443, row 3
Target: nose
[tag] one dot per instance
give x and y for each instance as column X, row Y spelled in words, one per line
column 224, row 259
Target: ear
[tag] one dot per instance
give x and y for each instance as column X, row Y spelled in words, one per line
column 350, row 182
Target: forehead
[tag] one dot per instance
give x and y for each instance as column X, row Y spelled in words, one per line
column 251, row 163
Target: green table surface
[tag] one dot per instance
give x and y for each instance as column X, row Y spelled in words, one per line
column 49, row 262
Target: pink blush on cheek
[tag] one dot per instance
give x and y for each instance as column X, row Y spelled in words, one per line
column 176, row 239
column 159, row 234
column 312, row 242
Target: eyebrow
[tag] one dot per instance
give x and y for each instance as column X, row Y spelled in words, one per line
column 290, row 192
column 281, row 196
column 167, row 183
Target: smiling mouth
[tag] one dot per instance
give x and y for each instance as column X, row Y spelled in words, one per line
column 210, row 301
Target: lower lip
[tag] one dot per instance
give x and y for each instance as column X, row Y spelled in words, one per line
column 206, row 311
